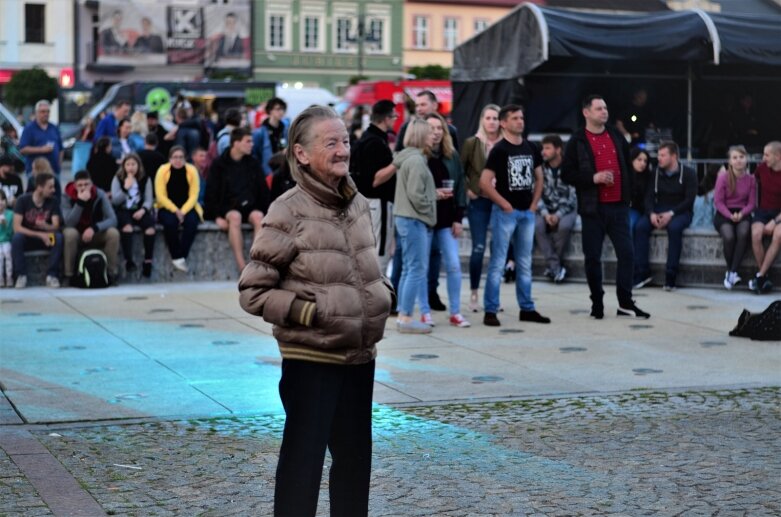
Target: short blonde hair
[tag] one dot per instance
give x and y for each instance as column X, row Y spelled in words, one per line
column 138, row 123
column 417, row 134
column 41, row 164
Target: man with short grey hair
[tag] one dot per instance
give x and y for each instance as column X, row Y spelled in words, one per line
column 41, row 138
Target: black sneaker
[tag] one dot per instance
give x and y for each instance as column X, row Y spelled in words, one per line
column 490, row 320
column 533, row 316
column 435, row 303
column 632, row 311
column 509, row 275
column 755, row 284
column 766, row 286
column 146, row 269
column 130, row 266
column 597, row 312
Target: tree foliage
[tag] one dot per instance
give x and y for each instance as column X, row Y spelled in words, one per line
column 430, row 72
column 27, row 87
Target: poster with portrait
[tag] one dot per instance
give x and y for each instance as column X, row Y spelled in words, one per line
column 131, row 33
column 228, row 34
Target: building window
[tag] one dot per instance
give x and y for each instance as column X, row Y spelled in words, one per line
column 312, row 33
column 344, row 35
column 34, row 23
column 480, row 25
column 451, row 33
column 420, row 32
column 276, row 32
column 374, row 35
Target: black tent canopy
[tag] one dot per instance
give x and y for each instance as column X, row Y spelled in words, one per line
column 547, row 59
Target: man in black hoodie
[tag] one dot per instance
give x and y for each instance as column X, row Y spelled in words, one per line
column 90, row 222
column 237, row 192
column 371, row 165
column 669, row 205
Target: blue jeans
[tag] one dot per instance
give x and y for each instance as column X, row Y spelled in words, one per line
column 479, row 215
column 21, row 243
column 189, row 139
column 634, row 216
column 178, row 247
column 516, row 227
column 448, row 245
column 675, row 229
column 611, row 219
column 416, row 246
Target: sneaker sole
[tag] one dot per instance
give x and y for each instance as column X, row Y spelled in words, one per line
column 630, row 314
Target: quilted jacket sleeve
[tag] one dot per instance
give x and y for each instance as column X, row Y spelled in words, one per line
column 273, row 250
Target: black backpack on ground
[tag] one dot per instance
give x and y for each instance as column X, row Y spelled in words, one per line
column 765, row 326
column 92, row 270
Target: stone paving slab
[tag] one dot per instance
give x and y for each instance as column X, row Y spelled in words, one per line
column 638, row 453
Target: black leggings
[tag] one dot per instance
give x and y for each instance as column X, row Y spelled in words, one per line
column 735, row 237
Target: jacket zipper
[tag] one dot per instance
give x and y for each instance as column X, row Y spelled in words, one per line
column 342, row 215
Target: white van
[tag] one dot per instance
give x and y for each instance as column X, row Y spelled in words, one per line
column 299, row 99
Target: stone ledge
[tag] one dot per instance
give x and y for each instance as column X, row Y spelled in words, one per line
column 702, row 262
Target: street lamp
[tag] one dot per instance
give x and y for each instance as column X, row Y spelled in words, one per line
column 361, row 38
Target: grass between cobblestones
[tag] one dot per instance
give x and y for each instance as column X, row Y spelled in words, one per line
column 642, row 452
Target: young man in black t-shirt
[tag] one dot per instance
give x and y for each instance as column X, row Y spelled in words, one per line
column 512, row 179
column 37, row 224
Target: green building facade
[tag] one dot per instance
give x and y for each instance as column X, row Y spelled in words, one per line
column 326, row 43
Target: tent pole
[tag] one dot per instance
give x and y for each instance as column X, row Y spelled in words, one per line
column 689, row 110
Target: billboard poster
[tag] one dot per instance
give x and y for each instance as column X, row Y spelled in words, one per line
column 228, row 34
column 160, row 32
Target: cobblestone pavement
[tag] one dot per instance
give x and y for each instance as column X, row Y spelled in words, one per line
column 638, row 453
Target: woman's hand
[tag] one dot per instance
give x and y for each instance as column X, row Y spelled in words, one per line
column 471, row 195
column 138, row 214
column 180, row 216
column 457, row 229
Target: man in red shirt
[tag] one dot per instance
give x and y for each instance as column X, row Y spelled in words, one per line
column 596, row 163
column 766, row 220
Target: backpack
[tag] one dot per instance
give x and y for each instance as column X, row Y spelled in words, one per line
column 764, row 326
column 92, row 270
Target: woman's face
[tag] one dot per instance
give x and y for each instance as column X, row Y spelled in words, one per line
column 177, row 159
column 437, row 132
column 490, row 121
column 124, row 129
column 131, row 167
column 738, row 161
column 640, row 164
column 328, row 152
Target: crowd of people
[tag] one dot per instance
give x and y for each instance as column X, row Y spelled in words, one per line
column 420, row 185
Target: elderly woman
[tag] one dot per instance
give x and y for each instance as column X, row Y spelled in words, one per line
column 315, row 275
column 415, row 210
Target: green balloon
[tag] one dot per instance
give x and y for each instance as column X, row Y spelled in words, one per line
column 159, row 100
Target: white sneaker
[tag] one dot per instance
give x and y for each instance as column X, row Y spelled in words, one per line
column 728, row 284
column 21, row 282
column 180, row 264
column 561, row 275
column 735, row 279
column 53, row 282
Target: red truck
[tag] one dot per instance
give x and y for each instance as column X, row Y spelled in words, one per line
column 366, row 93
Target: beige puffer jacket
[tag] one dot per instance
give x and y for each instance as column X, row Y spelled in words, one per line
column 317, row 245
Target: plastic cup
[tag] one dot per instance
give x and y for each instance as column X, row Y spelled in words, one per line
column 448, row 185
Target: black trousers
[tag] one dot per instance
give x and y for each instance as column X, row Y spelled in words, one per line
column 611, row 220
column 329, row 406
